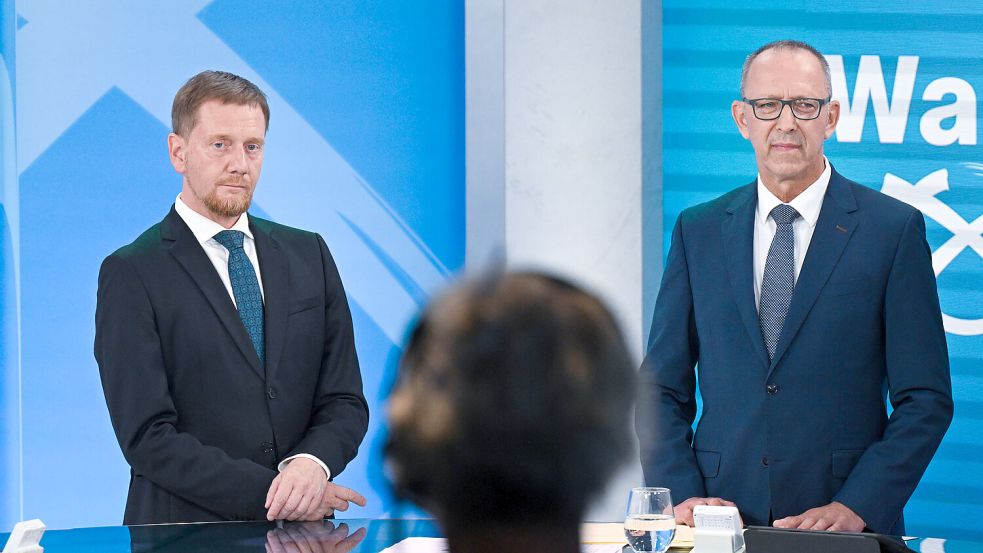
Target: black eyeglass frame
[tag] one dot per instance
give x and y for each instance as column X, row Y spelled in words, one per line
column 754, row 108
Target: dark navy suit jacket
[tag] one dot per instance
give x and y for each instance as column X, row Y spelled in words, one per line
column 811, row 426
column 202, row 423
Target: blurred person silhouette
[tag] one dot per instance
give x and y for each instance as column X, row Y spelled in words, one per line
column 510, row 412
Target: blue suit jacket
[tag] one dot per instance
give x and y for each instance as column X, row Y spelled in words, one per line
column 811, row 426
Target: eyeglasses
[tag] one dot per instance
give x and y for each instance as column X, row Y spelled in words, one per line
column 769, row 109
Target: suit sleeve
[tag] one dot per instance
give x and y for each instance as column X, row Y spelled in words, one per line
column 134, row 378
column 340, row 415
column 667, row 401
column 918, row 380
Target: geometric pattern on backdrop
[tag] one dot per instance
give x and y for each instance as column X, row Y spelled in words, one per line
column 907, row 75
column 365, row 147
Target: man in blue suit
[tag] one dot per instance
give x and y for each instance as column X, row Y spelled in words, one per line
column 804, row 299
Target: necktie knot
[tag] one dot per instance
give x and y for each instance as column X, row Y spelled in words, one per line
column 783, row 214
column 231, row 239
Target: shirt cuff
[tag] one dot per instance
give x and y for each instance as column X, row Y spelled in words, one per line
column 283, row 463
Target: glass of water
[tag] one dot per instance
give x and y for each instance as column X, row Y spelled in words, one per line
column 650, row 522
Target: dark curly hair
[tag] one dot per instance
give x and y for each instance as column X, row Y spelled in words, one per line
column 512, row 403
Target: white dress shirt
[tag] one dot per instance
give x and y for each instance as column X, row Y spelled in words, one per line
column 205, row 230
column 808, row 204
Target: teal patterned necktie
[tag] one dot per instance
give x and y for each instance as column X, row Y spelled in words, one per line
column 245, row 288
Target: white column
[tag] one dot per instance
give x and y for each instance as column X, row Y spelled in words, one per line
column 564, row 80
column 484, row 65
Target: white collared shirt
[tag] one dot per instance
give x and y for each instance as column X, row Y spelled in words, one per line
column 808, row 204
column 205, row 230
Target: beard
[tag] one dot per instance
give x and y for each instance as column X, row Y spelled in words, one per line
column 227, row 207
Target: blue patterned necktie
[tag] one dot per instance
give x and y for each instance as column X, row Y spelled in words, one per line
column 779, row 277
column 245, row 288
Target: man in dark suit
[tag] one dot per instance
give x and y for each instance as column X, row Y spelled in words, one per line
column 224, row 341
column 803, row 298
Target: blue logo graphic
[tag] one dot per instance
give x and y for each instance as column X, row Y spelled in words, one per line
column 924, row 195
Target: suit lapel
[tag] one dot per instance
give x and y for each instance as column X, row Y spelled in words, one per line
column 834, row 228
column 189, row 254
column 273, row 267
column 737, row 233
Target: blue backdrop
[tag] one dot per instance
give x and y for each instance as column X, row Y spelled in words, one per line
column 907, row 75
column 366, row 146
column 10, row 475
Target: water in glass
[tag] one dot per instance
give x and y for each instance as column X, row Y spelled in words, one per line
column 649, row 522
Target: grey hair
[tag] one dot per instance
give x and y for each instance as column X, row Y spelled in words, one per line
column 787, row 45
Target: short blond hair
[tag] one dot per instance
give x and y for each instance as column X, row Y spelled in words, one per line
column 225, row 87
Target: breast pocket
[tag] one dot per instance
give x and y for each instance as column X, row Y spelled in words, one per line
column 847, row 287
column 303, row 305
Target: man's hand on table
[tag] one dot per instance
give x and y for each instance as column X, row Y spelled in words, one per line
column 684, row 511
column 302, row 492
column 835, row 517
column 297, row 492
column 337, row 498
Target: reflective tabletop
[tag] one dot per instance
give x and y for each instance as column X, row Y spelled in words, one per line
column 339, row 536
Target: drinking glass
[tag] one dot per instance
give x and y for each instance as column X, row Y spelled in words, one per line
column 650, row 522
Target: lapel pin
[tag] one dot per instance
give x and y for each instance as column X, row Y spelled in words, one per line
column 841, row 229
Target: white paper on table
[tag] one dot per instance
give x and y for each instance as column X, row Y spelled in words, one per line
column 600, row 548
column 419, row 545
column 439, row 545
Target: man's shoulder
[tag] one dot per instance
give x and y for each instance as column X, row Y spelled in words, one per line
column 719, row 206
column 148, row 243
column 281, row 232
column 873, row 202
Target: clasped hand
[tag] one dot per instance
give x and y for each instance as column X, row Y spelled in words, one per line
column 302, row 492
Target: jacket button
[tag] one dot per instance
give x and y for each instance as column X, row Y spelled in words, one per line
column 764, row 461
column 772, row 389
column 267, row 447
column 271, row 393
